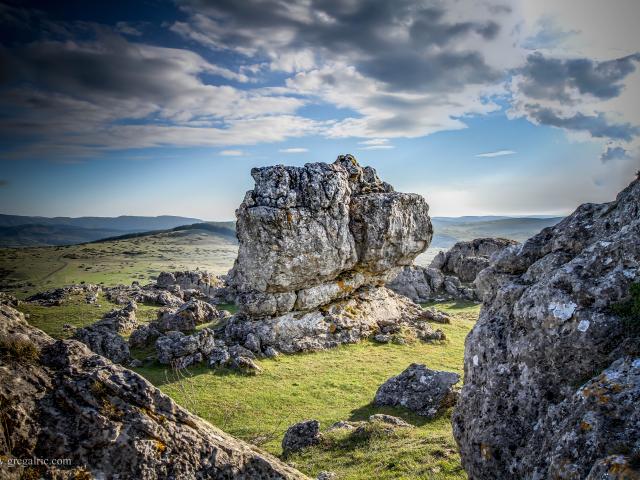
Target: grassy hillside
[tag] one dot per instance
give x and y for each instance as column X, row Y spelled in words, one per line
column 27, row 270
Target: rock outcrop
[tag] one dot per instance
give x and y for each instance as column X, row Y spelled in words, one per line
column 451, row 274
column 552, row 367
column 60, row 400
column 419, row 389
column 316, row 246
column 180, row 350
column 189, row 315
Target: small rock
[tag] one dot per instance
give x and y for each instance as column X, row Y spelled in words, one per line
column 270, row 352
column 389, row 419
column 219, row 357
column 300, row 436
column 382, row 338
column 420, row 390
column 245, row 364
column 327, row 476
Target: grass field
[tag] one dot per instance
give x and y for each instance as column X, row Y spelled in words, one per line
column 329, row 386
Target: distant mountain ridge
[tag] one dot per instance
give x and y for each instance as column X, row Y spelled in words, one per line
column 21, row 231
column 123, row 223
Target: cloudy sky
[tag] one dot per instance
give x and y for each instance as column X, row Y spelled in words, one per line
column 161, row 107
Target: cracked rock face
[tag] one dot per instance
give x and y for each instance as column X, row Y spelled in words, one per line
column 551, row 370
column 310, row 235
column 60, row 400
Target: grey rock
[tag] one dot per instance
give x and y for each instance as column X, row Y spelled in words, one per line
column 270, row 352
column 56, row 297
column 143, row 336
column 187, row 316
column 382, row 338
column 300, row 436
column 180, row 350
column 68, row 402
column 324, row 475
column 451, row 274
column 315, row 241
column 389, row 420
column 219, row 357
column 551, row 371
column 104, row 341
column 121, row 320
column 245, row 364
column 419, row 389
column 239, row 351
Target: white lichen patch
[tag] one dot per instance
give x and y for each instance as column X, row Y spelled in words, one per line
column 562, row 311
column 583, row 326
column 475, row 360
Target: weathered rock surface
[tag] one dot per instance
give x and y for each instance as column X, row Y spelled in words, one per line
column 316, row 244
column 104, row 340
column 551, row 370
column 180, row 350
column 451, row 274
column 300, row 436
column 60, row 400
column 371, row 310
column 419, row 389
column 121, row 320
column 189, row 315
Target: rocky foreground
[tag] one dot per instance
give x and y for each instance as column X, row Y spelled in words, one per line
column 59, row 400
column 552, row 367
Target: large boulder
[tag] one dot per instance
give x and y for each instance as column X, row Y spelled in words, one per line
column 180, row 350
column 316, row 245
column 121, row 320
column 105, row 341
column 552, row 381
column 466, row 259
column 60, row 400
column 419, row 389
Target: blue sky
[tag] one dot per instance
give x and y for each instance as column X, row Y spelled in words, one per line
column 163, row 108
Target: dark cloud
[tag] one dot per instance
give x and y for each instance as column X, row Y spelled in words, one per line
column 4, row 183
column 614, row 153
column 405, row 44
column 554, row 79
column 596, row 125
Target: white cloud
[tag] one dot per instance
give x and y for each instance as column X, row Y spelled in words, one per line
column 232, row 153
column 498, row 153
column 293, row 150
column 377, row 147
column 375, row 141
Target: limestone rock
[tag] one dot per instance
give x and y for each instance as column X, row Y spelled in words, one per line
column 187, row 316
column 364, row 314
column 451, row 274
column 64, row 401
column 551, row 379
column 300, row 436
column 121, row 320
column 419, row 389
column 389, row 419
column 105, row 341
column 312, row 235
column 180, row 350
column 143, row 336
column 56, row 297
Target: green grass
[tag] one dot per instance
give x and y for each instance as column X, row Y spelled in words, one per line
column 329, row 386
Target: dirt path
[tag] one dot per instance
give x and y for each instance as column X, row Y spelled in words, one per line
column 64, row 265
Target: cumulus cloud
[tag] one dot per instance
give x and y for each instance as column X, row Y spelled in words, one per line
column 498, row 153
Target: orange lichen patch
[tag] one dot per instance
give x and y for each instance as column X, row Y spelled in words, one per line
column 332, row 328
column 598, row 392
column 159, row 447
column 343, row 286
column 110, row 410
column 289, row 217
column 82, row 474
column 585, row 426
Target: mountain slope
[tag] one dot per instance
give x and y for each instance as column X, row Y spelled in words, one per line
column 124, row 223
